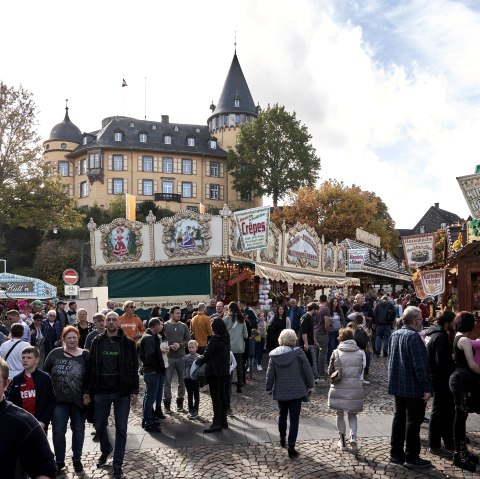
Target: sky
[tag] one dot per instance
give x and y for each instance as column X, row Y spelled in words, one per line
column 389, row 90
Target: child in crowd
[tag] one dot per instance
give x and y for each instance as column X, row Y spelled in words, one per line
column 228, row 384
column 260, row 339
column 193, row 389
column 252, row 340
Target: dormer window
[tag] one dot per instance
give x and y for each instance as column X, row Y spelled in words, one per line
column 85, row 140
column 154, row 127
column 167, row 139
column 118, row 136
column 176, row 128
column 213, row 144
column 132, row 124
column 142, row 137
column 191, row 141
column 237, row 103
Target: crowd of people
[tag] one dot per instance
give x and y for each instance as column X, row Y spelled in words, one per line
column 66, row 369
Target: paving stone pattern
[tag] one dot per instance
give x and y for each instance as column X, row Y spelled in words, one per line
column 250, row 448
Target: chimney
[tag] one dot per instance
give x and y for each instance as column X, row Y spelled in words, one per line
column 165, row 119
column 436, row 205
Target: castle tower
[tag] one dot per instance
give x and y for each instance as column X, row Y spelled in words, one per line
column 235, row 108
column 64, row 138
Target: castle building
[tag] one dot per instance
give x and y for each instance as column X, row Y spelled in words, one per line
column 176, row 165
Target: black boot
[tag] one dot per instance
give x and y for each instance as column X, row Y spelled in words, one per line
column 461, row 458
column 283, row 441
column 159, row 413
column 166, row 405
column 292, row 452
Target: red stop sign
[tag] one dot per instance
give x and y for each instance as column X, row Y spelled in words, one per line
column 70, row 276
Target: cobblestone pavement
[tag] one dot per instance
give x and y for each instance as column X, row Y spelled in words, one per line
column 250, row 449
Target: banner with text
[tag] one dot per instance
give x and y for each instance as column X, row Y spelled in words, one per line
column 355, row 259
column 470, row 186
column 417, row 283
column 433, row 281
column 253, row 226
column 419, row 249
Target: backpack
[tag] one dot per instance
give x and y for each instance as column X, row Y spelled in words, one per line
column 199, row 373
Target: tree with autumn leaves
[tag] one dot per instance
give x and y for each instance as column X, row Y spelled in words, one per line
column 335, row 210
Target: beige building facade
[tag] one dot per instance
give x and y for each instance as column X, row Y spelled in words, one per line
column 179, row 166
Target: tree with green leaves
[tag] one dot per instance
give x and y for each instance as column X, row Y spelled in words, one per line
column 30, row 194
column 273, row 156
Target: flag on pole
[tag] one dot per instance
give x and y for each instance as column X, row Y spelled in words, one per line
column 124, row 83
column 130, row 207
column 201, row 208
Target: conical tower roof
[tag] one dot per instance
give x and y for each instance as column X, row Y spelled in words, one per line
column 235, row 88
column 66, row 130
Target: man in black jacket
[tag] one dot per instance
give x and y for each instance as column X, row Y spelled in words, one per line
column 112, row 378
column 24, row 447
column 384, row 316
column 441, row 365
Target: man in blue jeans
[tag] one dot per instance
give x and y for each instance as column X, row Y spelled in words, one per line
column 112, row 352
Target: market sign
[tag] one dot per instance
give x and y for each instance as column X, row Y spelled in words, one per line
column 355, row 259
column 433, row 281
column 20, row 287
column 253, row 226
column 417, row 283
column 245, row 274
column 368, row 238
column 419, row 249
column 470, row 186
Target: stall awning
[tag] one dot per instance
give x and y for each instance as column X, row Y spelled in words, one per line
column 15, row 286
column 304, row 278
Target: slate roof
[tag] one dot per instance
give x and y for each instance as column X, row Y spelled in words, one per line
column 433, row 219
column 383, row 265
column 105, row 138
column 235, row 87
column 66, row 130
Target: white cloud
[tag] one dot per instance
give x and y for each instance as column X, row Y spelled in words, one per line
column 388, row 91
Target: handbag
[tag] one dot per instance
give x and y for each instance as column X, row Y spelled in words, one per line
column 337, row 375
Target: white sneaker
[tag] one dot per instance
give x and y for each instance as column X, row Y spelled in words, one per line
column 341, row 442
column 259, row 367
column 248, row 369
column 365, row 381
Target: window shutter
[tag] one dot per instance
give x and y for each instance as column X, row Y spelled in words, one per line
column 177, row 167
column 155, row 165
column 155, row 186
column 194, row 190
column 79, row 190
column 125, row 163
column 139, row 187
column 207, row 191
column 70, row 169
column 194, row 167
column 140, row 165
column 87, row 188
column 221, row 167
column 179, row 187
column 125, row 185
column 109, row 186
column 160, row 165
column 110, row 162
column 220, row 195
column 78, row 169
column 207, row 168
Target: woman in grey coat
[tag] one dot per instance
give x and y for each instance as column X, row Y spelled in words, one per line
column 290, row 380
column 347, row 395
